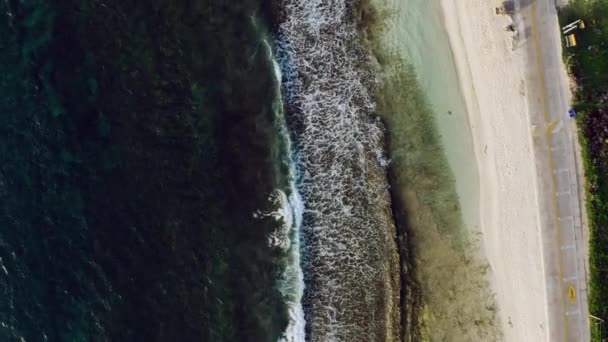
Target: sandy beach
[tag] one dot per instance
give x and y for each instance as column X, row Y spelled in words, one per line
column 492, row 81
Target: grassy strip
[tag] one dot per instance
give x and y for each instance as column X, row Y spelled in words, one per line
column 588, row 64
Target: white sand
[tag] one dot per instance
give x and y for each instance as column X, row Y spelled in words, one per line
column 491, row 77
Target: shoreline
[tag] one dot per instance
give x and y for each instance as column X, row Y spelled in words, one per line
column 451, row 281
column 489, row 72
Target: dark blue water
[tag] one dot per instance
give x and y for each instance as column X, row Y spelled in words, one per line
column 137, row 139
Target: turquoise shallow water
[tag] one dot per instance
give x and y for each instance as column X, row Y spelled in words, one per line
column 417, row 34
column 433, row 177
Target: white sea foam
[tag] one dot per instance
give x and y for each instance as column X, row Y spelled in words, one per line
column 3, row 267
column 347, row 230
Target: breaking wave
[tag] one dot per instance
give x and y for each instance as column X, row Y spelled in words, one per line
column 287, row 237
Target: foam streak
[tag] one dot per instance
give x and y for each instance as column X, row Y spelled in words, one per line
column 349, row 254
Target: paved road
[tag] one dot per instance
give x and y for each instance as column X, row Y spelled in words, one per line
column 558, row 173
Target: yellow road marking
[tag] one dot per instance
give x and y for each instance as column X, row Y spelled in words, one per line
column 571, row 294
column 551, row 127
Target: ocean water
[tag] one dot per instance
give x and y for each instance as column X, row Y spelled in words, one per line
column 201, row 170
column 146, row 190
